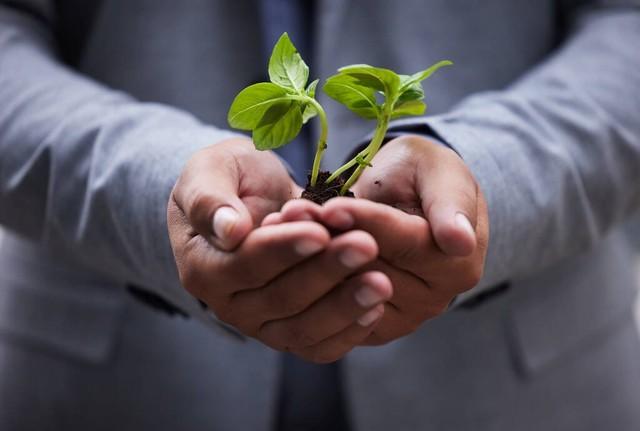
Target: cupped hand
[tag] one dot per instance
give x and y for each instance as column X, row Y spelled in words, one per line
column 291, row 285
column 431, row 230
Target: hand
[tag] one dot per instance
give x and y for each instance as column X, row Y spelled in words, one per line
column 428, row 250
column 274, row 283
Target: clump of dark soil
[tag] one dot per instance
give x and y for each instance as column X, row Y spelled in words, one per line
column 322, row 192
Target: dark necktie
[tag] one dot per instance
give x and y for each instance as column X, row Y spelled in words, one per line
column 310, row 396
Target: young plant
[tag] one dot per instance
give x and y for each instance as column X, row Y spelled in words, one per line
column 275, row 111
column 358, row 86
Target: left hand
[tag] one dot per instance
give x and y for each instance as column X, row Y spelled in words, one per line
column 432, row 250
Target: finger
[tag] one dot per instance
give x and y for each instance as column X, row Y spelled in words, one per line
column 412, row 296
column 300, row 209
column 393, row 325
column 207, row 193
column 271, row 250
column 273, row 218
column 413, row 303
column 340, row 308
column 403, row 239
column 336, row 346
column 296, row 289
column 449, row 197
column 263, row 255
column 294, row 210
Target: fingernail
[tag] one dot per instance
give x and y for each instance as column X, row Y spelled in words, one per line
column 367, row 296
column 224, row 221
column 340, row 220
column 463, row 223
column 371, row 316
column 353, row 258
column 307, row 247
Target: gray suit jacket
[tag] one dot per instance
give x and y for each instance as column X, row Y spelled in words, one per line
column 101, row 105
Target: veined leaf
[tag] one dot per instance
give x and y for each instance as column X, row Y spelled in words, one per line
column 421, row 76
column 251, row 103
column 357, row 98
column 279, row 125
column 308, row 112
column 384, row 80
column 413, row 91
column 286, row 67
column 412, row 107
column 311, row 89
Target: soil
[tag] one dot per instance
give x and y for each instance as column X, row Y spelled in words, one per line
column 322, row 192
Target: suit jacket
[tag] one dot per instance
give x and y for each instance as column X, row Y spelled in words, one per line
column 101, row 104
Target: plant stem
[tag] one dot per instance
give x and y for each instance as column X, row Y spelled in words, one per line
column 322, row 141
column 372, row 148
column 346, row 166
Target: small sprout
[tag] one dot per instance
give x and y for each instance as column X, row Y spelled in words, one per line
column 356, row 87
column 275, row 111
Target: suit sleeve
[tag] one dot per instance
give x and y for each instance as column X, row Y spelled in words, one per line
column 557, row 154
column 86, row 169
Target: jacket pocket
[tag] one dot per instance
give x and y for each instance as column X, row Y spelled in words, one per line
column 571, row 307
column 82, row 326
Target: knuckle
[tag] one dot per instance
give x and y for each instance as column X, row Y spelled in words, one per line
column 225, row 312
column 299, row 337
column 414, row 247
column 191, row 280
column 469, row 196
column 282, row 304
column 275, row 345
column 269, row 334
column 237, row 269
column 201, row 208
column 434, row 310
column 408, row 326
column 376, row 339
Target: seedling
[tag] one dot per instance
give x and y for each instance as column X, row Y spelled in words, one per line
column 275, row 111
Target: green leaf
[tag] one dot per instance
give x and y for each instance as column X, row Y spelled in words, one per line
column 357, row 98
column 308, row 112
column 280, row 124
column 412, row 107
column 250, row 104
column 413, row 91
column 286, row 67
column 384, row 80
column 311, row 89
column 421, row 76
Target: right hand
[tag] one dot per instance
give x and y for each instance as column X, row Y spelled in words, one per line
column 291, row 285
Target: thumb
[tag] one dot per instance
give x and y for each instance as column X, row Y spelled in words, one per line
column 449, row 196
column 207, row 193
column 231, row 224
column 452, row 229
